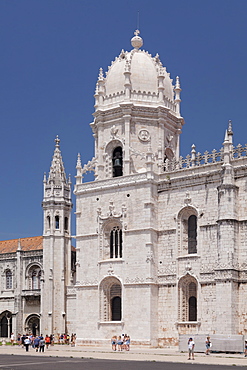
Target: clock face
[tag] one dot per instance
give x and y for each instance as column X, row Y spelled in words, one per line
column 144, row 135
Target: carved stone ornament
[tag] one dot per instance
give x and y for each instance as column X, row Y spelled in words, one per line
column 144, row 135
column 114, row 132
column 110, row 270
column 112, row 213
column 187, row 199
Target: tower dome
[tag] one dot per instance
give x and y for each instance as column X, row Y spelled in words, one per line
column 135, row 76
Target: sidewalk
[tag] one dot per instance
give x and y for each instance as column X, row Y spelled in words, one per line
column 135, row 354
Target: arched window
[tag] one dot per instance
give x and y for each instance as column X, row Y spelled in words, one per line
column 9, row 282
column 36, row 279
column 116, row 308
column 117, row 162
column 57, row 222
column 116, row 243
column 111, row 300
column 187, row 230
column 192, row 234
column 48, row 222
column 192, row 309
column 188, row 299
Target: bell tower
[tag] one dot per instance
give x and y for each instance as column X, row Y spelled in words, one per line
column 137, row 126
column 57, row 207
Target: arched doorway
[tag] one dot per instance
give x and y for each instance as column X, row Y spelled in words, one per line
column 5, row 324
column 33, row 325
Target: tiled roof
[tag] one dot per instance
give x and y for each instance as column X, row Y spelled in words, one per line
column 27, row 244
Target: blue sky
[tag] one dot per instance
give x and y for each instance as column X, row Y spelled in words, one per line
column 51, row 51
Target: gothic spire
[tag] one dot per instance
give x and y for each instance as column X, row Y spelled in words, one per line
column 57, row 173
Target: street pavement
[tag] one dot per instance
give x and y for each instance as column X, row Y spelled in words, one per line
column 19, row 362
column 171, row 355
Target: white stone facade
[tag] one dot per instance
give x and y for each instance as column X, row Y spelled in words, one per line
column 161, row 240
column 21, row 264
column 182, row 221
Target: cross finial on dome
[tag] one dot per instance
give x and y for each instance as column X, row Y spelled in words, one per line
column 136, row 41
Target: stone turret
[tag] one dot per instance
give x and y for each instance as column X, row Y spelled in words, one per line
column 228, row 233
column 57, row 207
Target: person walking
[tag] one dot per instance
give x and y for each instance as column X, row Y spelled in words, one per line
column 208, row 345
column 47, row 341
column 23, row 337
column 119, row 343
column 191, row 347
column 19, row 339
column 36, row 343
column 128, row 343
column 114, row 343
column 27, row 343
column 73, row 336
column 12, row 339
column 52, row 340
column 41, row 344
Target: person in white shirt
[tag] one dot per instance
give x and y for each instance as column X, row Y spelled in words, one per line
column 12, row 338
column 27, row 343
column 191, row 346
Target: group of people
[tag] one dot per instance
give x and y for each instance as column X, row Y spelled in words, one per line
column 67, row 339
column 191, row 347
column 121, row 342
column 37, row 342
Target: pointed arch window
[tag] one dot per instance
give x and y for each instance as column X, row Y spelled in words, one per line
column 187, row 231
column 117, row 162
column 9, row 281
column 48, row 222
column 116, row 242
column 192, row 234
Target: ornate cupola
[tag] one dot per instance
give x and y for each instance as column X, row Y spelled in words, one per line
column 137, row 114
column 136, row 77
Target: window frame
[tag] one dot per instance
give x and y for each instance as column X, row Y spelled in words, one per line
column 8, row 280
